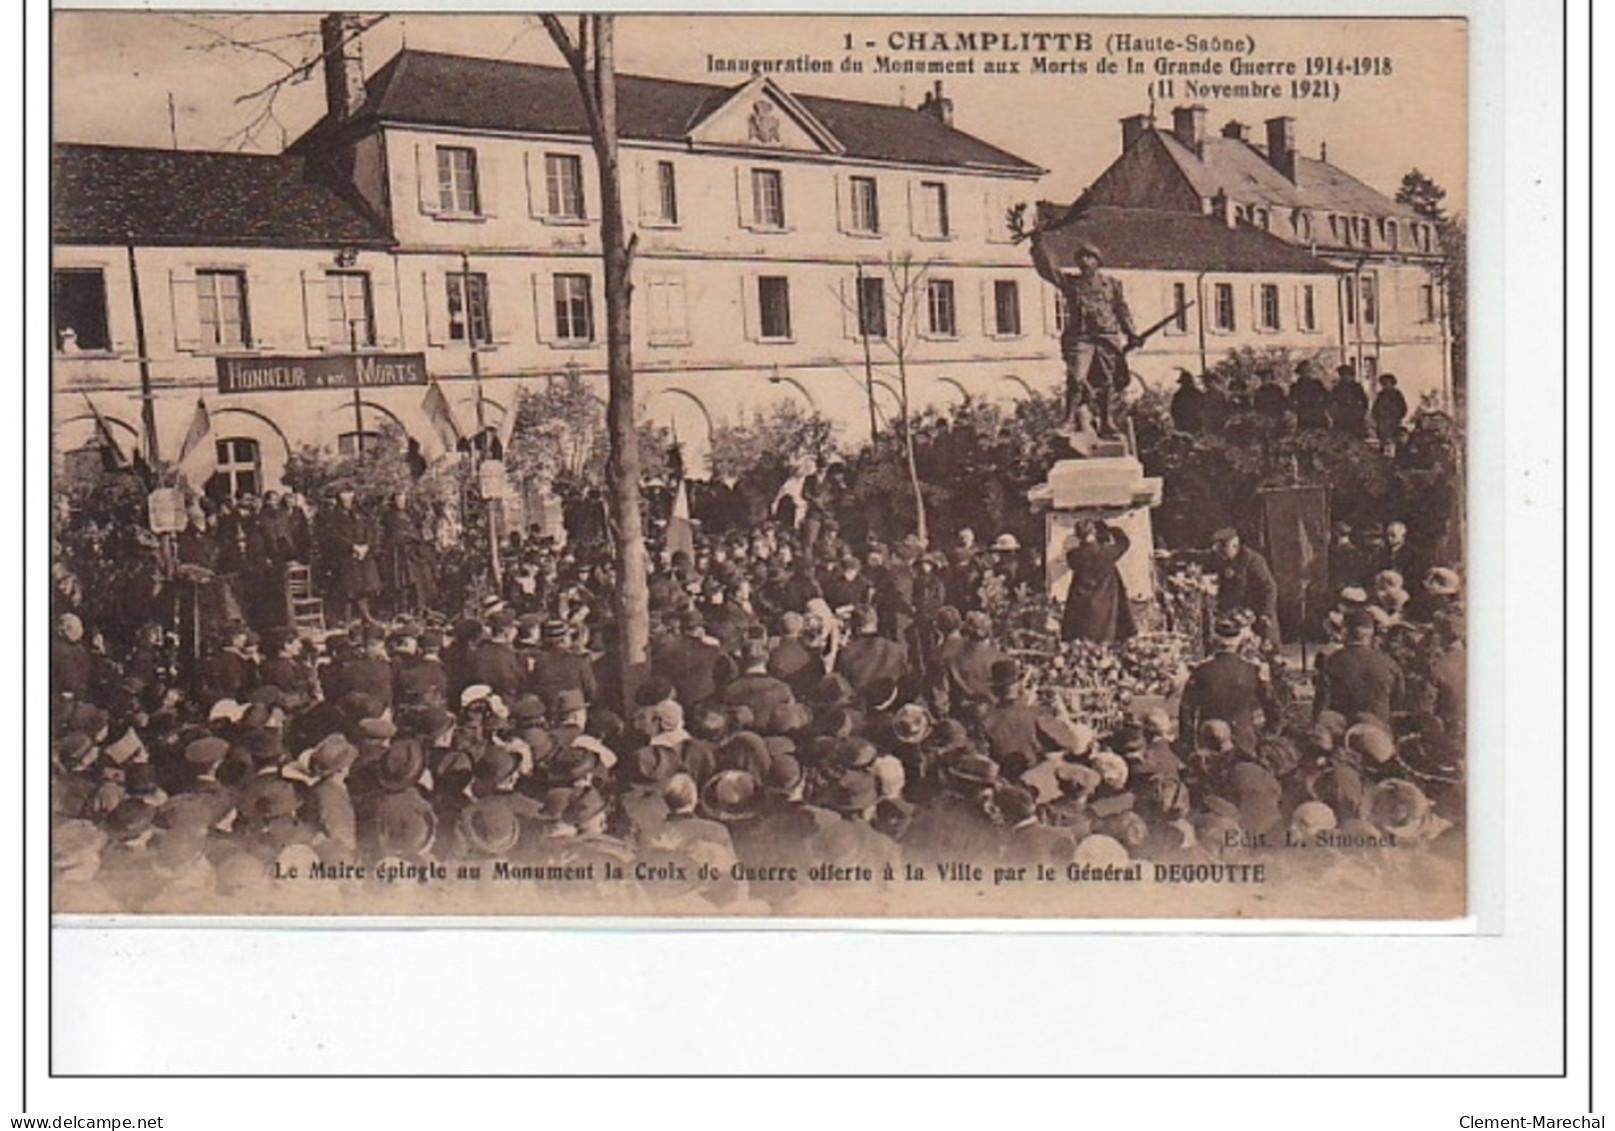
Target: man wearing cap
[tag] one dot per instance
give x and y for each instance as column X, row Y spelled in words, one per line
column 554, row 667
column 1098, row 333
column 1348, row 404
column 1244, row 581
column 1359, row 679
column 1226, row 687
column 691, row 660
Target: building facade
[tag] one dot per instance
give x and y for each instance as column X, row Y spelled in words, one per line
column 1389, row 313
column 444, row 217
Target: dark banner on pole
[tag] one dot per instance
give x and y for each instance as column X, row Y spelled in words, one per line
column 334, row 371
column 1297, row 526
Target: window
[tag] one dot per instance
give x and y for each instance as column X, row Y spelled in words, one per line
column 79, row 309
column 1303, row 225
column 1393, row 234
column 1180, row 309
column 1351, row 303
column 457, row 180
column 574, row 310
column 1427, row 303
column 1223, row 293
column 667, row 193
column 1269, row 312
column 668, row 312
column 1006, row 308
column 934, row 210
column 1371, row 371
column 1062, row 312
column 563, row 185
column 221, row 308
column 1307, row 308
column 941, row 309
column 774, row 307
column 468, row 308
column 768, row 198
column 236, row 467
column 871, row 307
column 1370, row 301
column 350, row 319
column 865, row 205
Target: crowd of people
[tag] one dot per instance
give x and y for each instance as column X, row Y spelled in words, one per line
column 1307, row 402
column 806, row 702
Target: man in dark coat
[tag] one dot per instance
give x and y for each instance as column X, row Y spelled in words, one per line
column 1390, row 409
column 1309, row 400
column 1188, row 404
column 494, row 661
column 1096, row 606
column 349, row 536
column 1225, row 687
column 555, row 667
column 1269, row 398
column 69, row 659
column 1359, row 679
column 1348, row 404
column 1244, row 581
column 868, row 656
column 692, row 661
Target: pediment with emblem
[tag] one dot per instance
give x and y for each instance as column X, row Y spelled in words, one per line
column 760, row 115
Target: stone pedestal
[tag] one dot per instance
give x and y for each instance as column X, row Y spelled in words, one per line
column 1111, row 488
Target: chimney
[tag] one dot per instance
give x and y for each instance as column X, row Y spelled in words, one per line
column 1237, row 131
column 1133, row 128
column 937, row 106
column 344, row 65
column 1189, row 125
column 1281, row 146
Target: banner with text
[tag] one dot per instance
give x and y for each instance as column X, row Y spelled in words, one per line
column 337, row 371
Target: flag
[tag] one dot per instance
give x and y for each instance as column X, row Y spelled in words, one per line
column 201, row 425
column 112, row 455
column 680, row 531
column 440, row 416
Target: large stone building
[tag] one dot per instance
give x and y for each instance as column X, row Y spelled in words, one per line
column 442, row 220
column 1249, row 215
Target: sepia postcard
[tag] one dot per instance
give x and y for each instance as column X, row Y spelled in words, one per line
column 832, row 467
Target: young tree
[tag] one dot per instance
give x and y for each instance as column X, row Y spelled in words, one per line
column 589, row 51
column 906, row 292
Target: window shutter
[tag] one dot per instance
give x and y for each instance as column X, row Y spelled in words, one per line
column 315, row 324
column 644, row 184
column 850, row 307
column 913, row 209
column 845, row 221
column 743, row 197
column 259, row 336
column 750, row 314
column 1045, row 307
column 500, row 314
column 487, row 183
column 434, row 290
column 426, row 179
column 537, row 200
column 120, row 327
column 543, row 306
column 384, row 309
column 989, row 312
column 1257, row 323
column 589, row 186
column 678, row 311
column 187, row 324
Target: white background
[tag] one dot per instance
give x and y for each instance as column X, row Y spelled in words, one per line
column 758, row 1001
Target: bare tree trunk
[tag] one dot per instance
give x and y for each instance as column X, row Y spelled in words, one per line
column 594, row 69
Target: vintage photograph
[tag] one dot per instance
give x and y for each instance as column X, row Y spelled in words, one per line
column 831, row 467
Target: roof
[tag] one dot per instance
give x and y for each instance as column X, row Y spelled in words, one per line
column 428, row 88
column 1156, row 239
column 112, row 194
column 1242, row 170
